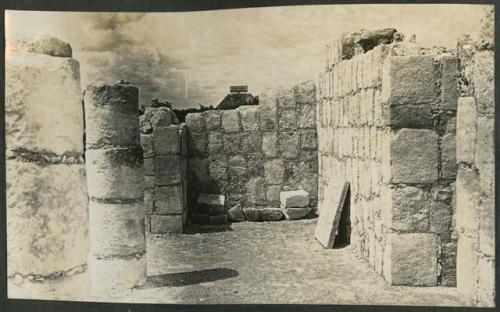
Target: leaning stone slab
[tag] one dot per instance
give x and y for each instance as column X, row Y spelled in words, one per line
column 235, row 213
column 295, row 213
column 295, row 199
column 42, row 45
column 271, row 214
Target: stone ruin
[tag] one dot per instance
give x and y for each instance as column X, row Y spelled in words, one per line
column 411, row 129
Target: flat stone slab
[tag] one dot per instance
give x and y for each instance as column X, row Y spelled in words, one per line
column 252, row 214
column 294, row 199
column 296, row 213
column 271, row 214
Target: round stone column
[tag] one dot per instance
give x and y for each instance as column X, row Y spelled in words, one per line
column 47, row 222
column 115, row 175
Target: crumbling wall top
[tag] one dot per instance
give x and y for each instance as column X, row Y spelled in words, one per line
column 41, row 45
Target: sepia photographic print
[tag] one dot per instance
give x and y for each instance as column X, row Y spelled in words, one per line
column 308, row 154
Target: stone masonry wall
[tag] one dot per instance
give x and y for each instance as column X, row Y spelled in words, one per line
column 252, row 153
column 386, row 124
column 476, row 171
column 46, row 208
column 164, row 143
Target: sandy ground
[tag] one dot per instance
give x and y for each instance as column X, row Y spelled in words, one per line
column 267, row 262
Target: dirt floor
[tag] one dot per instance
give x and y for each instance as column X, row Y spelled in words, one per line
column 267, row 262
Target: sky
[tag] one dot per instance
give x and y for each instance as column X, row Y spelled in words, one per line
column 189, row 58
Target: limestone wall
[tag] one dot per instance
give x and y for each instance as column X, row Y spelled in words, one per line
column 164, row 143
column 476, row 171
column 386, row 124
column 47, row 221
column 252, row 153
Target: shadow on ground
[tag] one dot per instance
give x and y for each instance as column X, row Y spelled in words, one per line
column 195, row 229
column 189, row 278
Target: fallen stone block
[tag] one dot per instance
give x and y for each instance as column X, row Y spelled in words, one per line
column 235, row 213
column 295, row 199
column 251, row 214
column 271, row 214
column 295, row 213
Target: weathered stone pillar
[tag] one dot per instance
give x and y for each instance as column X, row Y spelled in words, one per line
column 115, row 174
column 47, row 225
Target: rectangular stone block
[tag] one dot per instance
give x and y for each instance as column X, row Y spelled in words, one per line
column 274, row 171
column 305, row 93
column 270, row 144
column 273, row 194
column 212, row 119
column 295, row 199
column 466, row 129
column 197, row 143
column 409, row 80
column 215, row 143
column 168, row 170
column 414, row 156
column 255, row 164
column 250, row 143
column 467, row 186
column 149, row 166
column 486, row 282
column 409, row 116
column 467, row 269
column 287, row 119
column 149, row 200
column 167, row 140
column 198, row 170
column 147, row 145
column 308, row 139
column 149, row 182
column 484, row 78
column 166, row 224
column 231, row 121
column 268, row 117
column 271, row 214
column 414, row 259
column 449, row 83
column 485, row 153
column 289, row 144
column 183, row 137
column 448, row 156
column 169, row 200
column 232, row 143
column 249, row 118
column 195, row 122
column 286, row 98
column 307, row 117
column 256, row 191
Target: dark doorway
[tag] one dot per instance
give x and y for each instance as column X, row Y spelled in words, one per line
column 343, row 237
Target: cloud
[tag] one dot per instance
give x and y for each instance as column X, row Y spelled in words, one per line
column 116, row 52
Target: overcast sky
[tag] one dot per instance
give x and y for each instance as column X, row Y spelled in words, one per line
column 162, row 53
